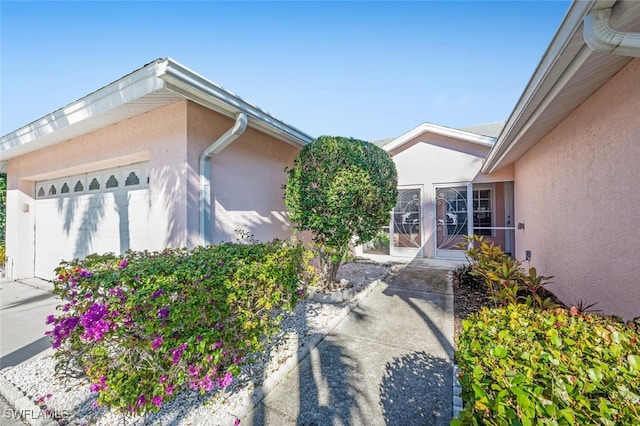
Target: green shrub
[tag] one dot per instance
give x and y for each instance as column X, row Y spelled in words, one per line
column 146, row 325
column 340, row 188
column 522, row 366
column 506, row 281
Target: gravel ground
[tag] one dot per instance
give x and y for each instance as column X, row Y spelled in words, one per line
column 72, row 402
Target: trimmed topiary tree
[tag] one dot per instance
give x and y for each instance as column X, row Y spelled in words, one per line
column 340, row 188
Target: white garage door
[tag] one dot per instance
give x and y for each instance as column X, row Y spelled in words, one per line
column 104, row 211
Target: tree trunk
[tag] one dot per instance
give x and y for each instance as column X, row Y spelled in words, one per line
column 328, row 270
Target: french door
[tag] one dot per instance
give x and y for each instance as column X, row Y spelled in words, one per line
column 485, row 209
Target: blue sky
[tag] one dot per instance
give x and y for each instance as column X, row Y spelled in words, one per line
column 369, row 70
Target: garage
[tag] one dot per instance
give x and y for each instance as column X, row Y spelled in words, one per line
column 98, row 212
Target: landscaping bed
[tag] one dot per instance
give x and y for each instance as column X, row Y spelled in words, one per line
column 525, row 358
column 72, row 401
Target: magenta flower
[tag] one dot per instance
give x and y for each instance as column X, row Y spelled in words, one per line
column 157, row 342
column 141, row 400
column 194, row 370
column 225, row 381
column 169, row 389
column 85, row 273
column 94, row 323
column 176, row 353
column 50, row 319
column 216, row 345
column 102, row 384
column 123, row 264
column 163, row 313
column 157, row 293
column 157, row 401
column 62, row 330
column 236, row 422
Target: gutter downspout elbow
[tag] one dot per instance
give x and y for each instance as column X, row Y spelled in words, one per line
column 205, row 174
column 599, row 35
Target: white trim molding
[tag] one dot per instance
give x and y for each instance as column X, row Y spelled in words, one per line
column 442, row 131
column 156, row 84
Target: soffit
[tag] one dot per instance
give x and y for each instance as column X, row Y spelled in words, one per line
column 574, row 76
column 47, row 131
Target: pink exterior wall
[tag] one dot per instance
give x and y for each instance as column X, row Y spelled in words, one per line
column 577, row 194
column 432, row 159
column 246, row 179
column 158, row 137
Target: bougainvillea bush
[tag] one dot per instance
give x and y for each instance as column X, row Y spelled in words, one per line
column 145, row 325
column 526, row 366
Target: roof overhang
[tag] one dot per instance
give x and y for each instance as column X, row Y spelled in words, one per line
column 153, row 86
column 439, row 130
column 568, row 74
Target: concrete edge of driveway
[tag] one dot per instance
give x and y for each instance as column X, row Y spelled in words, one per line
column 23, row 406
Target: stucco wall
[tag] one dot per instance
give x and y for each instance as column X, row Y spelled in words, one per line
column 432, row 159
column 246, row 179
column 577, row 194
column 158, row 137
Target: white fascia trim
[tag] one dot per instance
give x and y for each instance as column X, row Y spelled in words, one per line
column 127, row 89
column 599, row 35
column 193, row 86
column 439, row 130
column 534, row 94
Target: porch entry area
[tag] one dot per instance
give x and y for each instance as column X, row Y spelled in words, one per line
column 485, row 209
column 458, row 209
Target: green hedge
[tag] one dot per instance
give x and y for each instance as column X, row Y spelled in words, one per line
column 522, row 366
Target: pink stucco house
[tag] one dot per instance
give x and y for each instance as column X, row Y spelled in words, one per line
column 557, row 184
column 443, row 195
column 573, row 141
column 159, row 158
column 163, row 157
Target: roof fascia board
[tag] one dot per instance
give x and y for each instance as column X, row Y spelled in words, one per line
column 442, row 131
column 553, row 72
column 127, row 89
column 194, row 87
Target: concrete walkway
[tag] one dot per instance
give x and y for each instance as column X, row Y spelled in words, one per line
column 389, row 362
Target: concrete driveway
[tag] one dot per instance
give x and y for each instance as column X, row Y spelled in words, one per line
column 24, row 307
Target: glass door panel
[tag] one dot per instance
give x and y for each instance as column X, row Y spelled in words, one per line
column 452, row 220
column 493, row 214
column 406, row 227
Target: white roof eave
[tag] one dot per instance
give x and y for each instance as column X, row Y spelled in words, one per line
column 154, row 85
column 196, row 88
column 442, row 131
column 554, row 79
column 80, row 116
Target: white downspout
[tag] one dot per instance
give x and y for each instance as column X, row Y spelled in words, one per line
column 205, row 174
column 599, row 35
